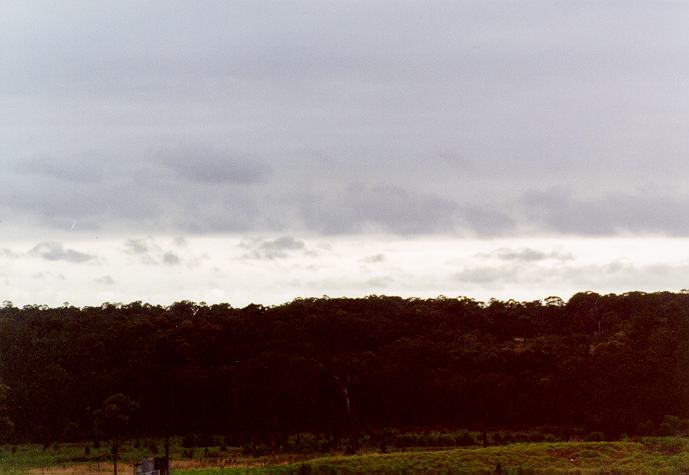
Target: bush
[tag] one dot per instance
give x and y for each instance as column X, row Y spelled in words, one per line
column 261, row 449
column 669, row 426
column 190, row 440
column 646, row 428
column 233, row 440
column 153, row 447
column 188, row 453
column 201, row 440
column 71, row 432
column 324, row 444
column 596, row 436
column 465, row 439
column 206, row 440
column 304, row 443
column 304, row 469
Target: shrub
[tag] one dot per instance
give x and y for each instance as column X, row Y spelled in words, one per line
column 595, row 436
column 188, row 453
column 233, row 440
column 304, row 469
column 324, row 444
column 206, row 440
column 465, row 439
column 303, row 443
column 669, row 426
column 153, row 447
column 261, row 449
column 71, row 432
column 190, row 440
column 646, row 428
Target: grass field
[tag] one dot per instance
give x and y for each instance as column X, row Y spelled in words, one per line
column 646, row 455
column 651, row 455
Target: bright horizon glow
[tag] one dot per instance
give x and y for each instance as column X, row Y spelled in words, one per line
column 273, row 269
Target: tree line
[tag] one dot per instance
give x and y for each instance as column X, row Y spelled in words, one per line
column 346, row 366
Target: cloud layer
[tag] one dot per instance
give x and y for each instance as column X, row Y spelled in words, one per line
column 467, row 118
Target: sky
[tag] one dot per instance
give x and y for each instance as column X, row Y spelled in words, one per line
column 242, row 151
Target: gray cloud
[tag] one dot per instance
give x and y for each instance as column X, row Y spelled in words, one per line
column 526, row 254
column 49, row 275
column 380, row 282
column 360, row 208
column 213, row 166
column 278, row 248
column 105, row 280
column 487, row 275
column 170, row 258
column 55, row 251
column 149, row 251
column 647, row 211
column 136, row 246
column 77, row 169
column 451, row 117
column 9, row 253
column 616, row 275
column 374, row 259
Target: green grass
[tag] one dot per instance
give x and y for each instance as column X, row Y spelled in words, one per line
column 652, row 455
column 22, row 458
column 645, row 455
column 71, row 458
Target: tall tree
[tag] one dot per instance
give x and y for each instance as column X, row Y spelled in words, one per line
column 113, row 420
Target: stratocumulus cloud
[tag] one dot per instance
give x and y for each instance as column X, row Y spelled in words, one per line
column 476, row 118
column 56, row 251
column 246, row 151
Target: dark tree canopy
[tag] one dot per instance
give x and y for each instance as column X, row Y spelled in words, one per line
column 614, row 363
column 6, row 425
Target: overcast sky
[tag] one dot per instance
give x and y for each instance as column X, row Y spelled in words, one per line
column 260, row 151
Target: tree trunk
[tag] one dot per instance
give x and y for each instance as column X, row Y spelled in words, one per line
column 167, row 453
column 115, row 450
column 274, row 435
column 354, row 433
column 349, row 411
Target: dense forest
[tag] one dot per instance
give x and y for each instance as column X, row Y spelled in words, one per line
column 610, row 363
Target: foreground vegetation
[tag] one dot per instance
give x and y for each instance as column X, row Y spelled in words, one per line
column 644, row 455
column 84, row 458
